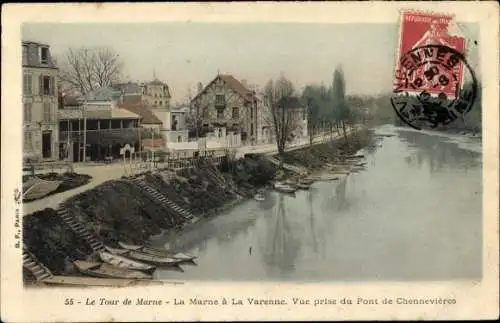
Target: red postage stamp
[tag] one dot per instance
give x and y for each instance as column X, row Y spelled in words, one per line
column 425, row 39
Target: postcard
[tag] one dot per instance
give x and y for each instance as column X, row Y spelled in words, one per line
column 250, row 161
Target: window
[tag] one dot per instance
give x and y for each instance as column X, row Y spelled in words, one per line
column 25, row 54
column 251, row 112
column 27, row 84
column 47, row 115
column 220, row 113
column 236, row 113
column 179, row 138
column 44, row 55
column 220, row 99
column 160, row 102
column 156, row 102
column 28, row 140
column 251, row 129
column 46, row 85
column 27, row 112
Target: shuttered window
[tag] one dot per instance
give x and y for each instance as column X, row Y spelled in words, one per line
column 27, row 112
column 28, row 141
column 27, row 84
column 47, row 85
column 47, row 115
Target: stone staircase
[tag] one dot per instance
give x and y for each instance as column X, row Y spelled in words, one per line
column 79, row 229
column 164, row 200
column 34, row 266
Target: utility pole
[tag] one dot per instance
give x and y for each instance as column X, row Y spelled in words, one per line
column 85, row 129
column 152, row 148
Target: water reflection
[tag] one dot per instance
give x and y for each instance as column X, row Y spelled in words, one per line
column 282, row 246
column 413, row 214
column 439, row 154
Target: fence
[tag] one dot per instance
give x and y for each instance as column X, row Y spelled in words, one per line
column 136, row 166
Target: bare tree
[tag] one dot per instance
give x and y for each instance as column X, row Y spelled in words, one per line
column 284, row 110
column 85, row 69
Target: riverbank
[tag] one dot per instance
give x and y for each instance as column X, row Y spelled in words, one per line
column 121, row 211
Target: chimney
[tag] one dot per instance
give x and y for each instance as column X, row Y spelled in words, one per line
column 244, row 82
column 200, row 87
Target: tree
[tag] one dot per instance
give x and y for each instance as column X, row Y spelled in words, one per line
column 86, row 69
column 340, row 107
column 315, row 99
column 284, row 110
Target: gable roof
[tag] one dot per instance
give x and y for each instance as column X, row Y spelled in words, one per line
column 128, row 88
column 134, row 104
column 107, row 93
column 235, row 85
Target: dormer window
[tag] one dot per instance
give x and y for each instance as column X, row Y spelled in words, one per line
column 44, row 55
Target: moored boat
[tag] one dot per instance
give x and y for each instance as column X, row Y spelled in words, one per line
column 104, row 270
column 306, row 181
column 144, row 257
column 303, row 186
column 326, row 177
column 123, row 262
column 36, row 188
column 157, row 252
column 284, row 188
column 259, row 197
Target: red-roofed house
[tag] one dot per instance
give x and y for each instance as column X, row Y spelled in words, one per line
column 225, row 103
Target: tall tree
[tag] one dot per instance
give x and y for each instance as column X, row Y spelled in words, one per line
column 340, row 107
column 284, row 110
column 86, row 69
column 315, row 99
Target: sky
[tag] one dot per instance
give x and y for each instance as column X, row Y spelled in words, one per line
column 183, row 54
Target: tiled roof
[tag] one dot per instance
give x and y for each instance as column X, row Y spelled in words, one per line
column 102, row 94
column 134, row 104
column 238, row 87
column 128, row 88
column 234, row 84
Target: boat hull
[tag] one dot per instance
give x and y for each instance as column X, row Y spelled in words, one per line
column 145, row 257
column 157, row 252
column 126, row 263
column 104, row 270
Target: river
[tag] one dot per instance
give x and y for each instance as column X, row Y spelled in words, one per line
column 415, row 213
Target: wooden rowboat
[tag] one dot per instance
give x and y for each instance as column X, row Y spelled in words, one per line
column 157, row 252
column 302, row 186
column 144, row 257
column 104, row 270
column 36, row 188
column 126, row 263
column 326, row 177
column 284, row 188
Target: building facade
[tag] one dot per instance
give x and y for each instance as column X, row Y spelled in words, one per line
column 226, row 103
column 40, row 103
column 156, row 94
column 96, row 127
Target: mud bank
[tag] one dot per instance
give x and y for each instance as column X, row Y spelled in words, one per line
column 313, row 158
column 121, row 210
